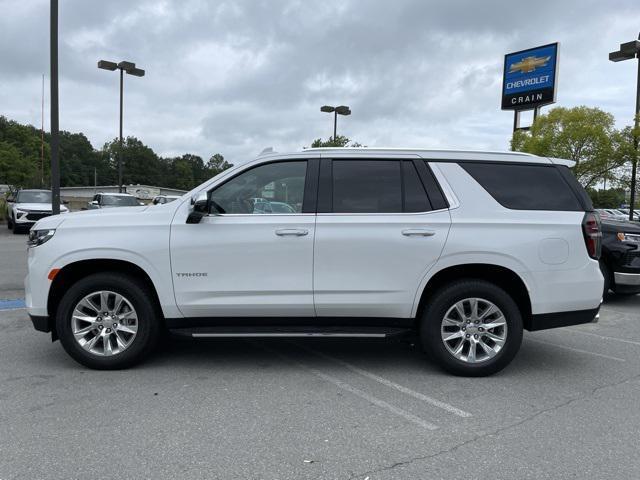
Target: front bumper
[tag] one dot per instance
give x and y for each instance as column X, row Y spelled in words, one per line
column 631, row 279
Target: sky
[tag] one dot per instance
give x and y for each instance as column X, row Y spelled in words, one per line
column 235, row 77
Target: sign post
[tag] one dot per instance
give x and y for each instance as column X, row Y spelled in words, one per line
column 529, row 80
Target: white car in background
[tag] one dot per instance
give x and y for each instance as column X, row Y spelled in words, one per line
column 112, row 200
column 162, row 199
column 27, row 207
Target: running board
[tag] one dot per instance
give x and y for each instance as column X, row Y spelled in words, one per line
column 290, row 332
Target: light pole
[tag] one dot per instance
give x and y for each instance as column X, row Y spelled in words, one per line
column 131, row 69
column 341, row 110
column 629, row 51
column 55, row 160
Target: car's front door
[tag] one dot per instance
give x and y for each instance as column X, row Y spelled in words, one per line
column 381, row 225
column 242, row 261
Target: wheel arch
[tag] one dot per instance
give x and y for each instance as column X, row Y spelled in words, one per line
column 75, row 271
column 501, row 276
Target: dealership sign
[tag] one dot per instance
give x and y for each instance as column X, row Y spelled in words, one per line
column 530, row 78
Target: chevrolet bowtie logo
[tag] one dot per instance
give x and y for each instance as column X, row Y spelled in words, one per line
column 529, row 64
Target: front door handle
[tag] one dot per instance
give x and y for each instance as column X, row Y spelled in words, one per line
column 418, row 232
column 292, row 232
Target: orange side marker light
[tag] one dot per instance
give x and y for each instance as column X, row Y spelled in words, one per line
column 53, row 273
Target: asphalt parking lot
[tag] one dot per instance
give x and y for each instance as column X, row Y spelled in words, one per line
column 567, row 407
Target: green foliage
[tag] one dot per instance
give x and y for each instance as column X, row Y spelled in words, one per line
column 338, row 141
column 584, row 135
column 81, row 164
column 611, row 198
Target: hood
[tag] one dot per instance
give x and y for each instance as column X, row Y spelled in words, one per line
column 101, row 217
column 40, row 207
column 615, row 226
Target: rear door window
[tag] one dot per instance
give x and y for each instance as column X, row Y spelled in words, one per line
column 525, row 187
column 367, row 186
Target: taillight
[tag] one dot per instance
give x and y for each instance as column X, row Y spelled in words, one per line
column 592, row 231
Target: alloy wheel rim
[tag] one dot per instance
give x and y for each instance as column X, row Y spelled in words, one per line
column 474, row 330
column 104, row 323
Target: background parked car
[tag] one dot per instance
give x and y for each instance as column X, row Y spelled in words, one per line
column 620, row 260
column 162, row 199
column 612, row 214
column 109, row 200
column 636, row 216
column 27, row 207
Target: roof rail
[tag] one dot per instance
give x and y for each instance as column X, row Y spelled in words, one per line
column 444, row 150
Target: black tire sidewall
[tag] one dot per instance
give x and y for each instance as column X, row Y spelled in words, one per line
column 442, row 300
column 606, row 273
column 136, row 293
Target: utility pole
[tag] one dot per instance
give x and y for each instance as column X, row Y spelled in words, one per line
column 55, row 160
column 42, row 138
column 629, row 51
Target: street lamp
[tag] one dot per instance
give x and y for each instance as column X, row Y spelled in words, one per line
column 629, row 51
column 341, row 110
column 131, row 69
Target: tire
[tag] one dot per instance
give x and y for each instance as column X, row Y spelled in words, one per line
column 15, row 228
column 109, row 354
column 606, row 273
column 433, row 327
column 9, row 223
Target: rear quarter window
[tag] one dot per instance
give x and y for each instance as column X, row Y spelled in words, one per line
column 525, row 187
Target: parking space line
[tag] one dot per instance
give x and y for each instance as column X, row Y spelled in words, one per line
column 15, row 304
column 632, row 342
column 420, row 396
column 617, row 359
column 355, row 391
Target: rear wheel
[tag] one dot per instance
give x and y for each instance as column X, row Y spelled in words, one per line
column 471, row 328
column 606, row 273
column 108, row 321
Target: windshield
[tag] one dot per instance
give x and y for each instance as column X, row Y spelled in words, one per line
column 119, row 201
column 26, row 196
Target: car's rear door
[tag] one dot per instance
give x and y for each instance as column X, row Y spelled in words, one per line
column 381, row 225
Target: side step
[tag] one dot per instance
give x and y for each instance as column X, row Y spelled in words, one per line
column 290, row 331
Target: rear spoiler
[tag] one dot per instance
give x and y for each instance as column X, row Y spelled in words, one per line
column 562, row 161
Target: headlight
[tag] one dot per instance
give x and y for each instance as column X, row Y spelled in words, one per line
column 628, row 237
column 21, row 211
column 38, row 237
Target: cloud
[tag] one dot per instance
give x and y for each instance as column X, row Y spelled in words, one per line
column 237, row 76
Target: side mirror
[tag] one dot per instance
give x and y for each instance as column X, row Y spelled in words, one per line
column 199, row 208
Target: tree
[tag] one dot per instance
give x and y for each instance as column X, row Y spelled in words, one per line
column 612, row 198
column 582, row 134
column 15, row 169
column 217, row 164
column 338, row 141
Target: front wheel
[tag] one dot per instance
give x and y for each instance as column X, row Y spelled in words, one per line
column 108, row 321
column 471, row 328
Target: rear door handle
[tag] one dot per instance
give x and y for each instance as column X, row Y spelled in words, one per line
column 292, row 232
column 418, row 232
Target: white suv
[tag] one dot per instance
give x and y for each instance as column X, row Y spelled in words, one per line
column 466, row 249
column 27, row 207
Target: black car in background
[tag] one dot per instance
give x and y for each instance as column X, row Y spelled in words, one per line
column 620, row 260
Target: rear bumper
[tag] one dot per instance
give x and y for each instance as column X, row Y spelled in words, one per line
column 545, row 321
